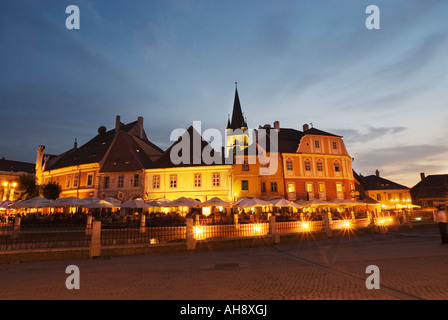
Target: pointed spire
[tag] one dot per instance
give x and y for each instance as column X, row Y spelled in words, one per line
column 238, row 121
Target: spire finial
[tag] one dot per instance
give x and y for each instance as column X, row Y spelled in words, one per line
column 236, row 85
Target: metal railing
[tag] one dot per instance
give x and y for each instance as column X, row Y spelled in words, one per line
column 75, row 231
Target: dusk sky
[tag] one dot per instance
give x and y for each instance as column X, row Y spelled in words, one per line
column 174, row 62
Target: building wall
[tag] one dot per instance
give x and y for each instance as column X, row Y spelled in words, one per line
column 197, row 182
column 391, row 199
column 322, row 165
column 253, row 175
column 121, row 185
column 74, row 180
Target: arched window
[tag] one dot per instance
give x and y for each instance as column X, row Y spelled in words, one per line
column 337, row 166
column 307, row 165
column 319, row 165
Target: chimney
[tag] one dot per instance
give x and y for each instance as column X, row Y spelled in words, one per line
column 140, row 127
column 305, row 127
column 277, row 126
column 377, row 173
column 117, row 124
column 422, row 175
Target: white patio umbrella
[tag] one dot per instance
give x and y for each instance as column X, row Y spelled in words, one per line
column 343, row 202
column 184, row 202
column 69, row 202
column 113, row 200
column 91, row 199
column 215, row 201
column 284, row 203
column 135, row 203
column 7, row 204
column 252, row 202
column 158, row 203
column 315, row 202
column 37, row 202
column 100, row 204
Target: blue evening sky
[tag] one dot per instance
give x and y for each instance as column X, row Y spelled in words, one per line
column 174, row 62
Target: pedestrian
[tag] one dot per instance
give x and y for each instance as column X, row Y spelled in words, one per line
column 441, row 219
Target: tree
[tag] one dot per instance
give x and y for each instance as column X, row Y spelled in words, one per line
column 51, row 190
column 27, row 187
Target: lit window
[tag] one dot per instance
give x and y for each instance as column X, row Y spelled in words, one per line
column 309, row 187
column 322, row 187
column 291, row 187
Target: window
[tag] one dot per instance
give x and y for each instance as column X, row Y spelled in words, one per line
column 197, row 180
column 338, row 187
column 75, row 180
column 322, row 187
column 106, row 182
column 316, row 143
column 245, row 166
column 67, row 181
column 90, row 179
column 320, row 166
column 309, row 190
column 289, row 164
column 263, row 186
column 120, row 181
column 291, row 187
column 156, row 182
column 337, row 167
column 244, row 185
column 273, row 186
column 335, row 145
column 173, row 181
column 309, row 187
column 216, row 179
column 307, row 165
column 378, row 197
column 136, row 180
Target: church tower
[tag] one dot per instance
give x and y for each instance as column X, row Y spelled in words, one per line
column 237, row 136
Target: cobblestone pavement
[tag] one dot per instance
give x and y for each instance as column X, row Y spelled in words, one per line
column 412, row 264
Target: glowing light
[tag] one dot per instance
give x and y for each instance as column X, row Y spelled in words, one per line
column 198, row 233
column 346, row 224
